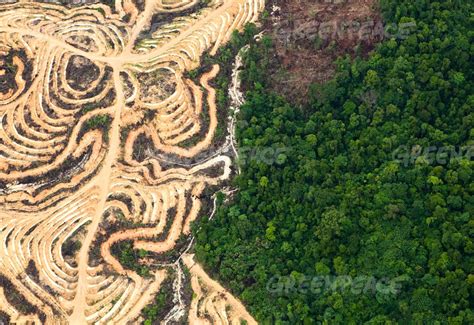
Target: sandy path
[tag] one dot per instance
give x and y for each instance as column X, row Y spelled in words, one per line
column 103, row 180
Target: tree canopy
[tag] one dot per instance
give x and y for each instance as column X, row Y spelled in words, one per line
column 358, row 193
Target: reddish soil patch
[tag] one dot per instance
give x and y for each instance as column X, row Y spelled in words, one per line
column 310, row 34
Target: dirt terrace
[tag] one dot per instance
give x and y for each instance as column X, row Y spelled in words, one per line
column 72, row 80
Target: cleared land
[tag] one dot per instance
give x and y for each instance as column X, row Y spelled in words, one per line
column 308, row 36
column 82, row 91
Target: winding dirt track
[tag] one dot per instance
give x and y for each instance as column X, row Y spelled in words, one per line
column 213, row 300
column 86, row 96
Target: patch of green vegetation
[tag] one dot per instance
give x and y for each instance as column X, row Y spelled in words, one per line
column 101, row 11
column 88, row 108
column 10, row 67
column 70, row 247
column 162, row 303
column 101, row 122
column 129, row 257
column 193, row 74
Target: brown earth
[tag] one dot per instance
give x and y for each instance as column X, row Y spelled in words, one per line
column 309, row 35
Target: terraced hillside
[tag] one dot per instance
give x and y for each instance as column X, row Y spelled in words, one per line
column 95, row 113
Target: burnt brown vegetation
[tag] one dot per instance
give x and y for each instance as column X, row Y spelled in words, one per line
column 308, row 36
column 17, row 300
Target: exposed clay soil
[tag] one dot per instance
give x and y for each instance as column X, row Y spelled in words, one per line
column 309, row 35
column 65, row 164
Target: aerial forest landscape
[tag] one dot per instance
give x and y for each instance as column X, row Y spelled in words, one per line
column 236, row 162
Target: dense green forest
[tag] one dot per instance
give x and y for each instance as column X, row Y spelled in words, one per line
column 376, row 180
